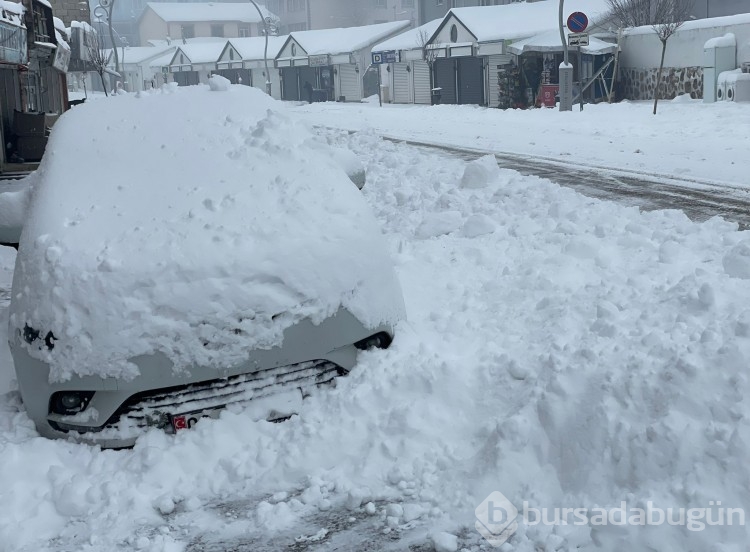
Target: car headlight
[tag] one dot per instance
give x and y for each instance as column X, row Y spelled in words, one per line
column 380, row 340
column 70, row 402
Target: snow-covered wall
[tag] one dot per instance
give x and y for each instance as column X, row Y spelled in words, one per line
column 684, row 59
column 641, row 47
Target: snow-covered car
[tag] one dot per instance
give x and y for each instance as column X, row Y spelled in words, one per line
column 188, row 250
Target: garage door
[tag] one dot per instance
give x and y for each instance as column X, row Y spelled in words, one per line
column 421, row 75
column 445, row 78
column 470, row 81
column 290, row 87
column 350, row 86
column 401, row 85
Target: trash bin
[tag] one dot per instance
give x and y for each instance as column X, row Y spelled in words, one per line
column 436, row 92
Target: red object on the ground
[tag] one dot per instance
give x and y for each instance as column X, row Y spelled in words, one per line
column 549, row 91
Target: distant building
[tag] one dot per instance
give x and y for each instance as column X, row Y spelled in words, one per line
column 718, row 8
column 302, row 15
column 178, row 21
column 71, row 10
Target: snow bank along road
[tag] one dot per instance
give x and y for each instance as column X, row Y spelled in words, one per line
column 698, row 199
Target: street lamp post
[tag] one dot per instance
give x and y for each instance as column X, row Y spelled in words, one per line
column 266, row 21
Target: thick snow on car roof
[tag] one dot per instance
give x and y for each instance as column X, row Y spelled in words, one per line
column 218, row 223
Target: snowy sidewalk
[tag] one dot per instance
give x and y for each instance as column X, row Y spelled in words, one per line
column 688, row 141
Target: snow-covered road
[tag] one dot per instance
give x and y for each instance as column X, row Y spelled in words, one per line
column 566, row 351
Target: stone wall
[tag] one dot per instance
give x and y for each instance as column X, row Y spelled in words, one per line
column 71, row 10
column 639, row 84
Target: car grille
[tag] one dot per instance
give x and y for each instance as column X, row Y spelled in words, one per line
column 152, row 408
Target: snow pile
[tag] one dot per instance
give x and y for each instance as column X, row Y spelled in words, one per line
column 217, row 83
column 574, row 354
column 230, row 225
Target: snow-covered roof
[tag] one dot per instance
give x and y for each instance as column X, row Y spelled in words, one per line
column 61, row 42
column 83, row 25
column 409, row 40
column 350, row 39
column 139, row 54
column 550, row 42
column 11, row 12
column 251, row 48
column 178, row 41
column 522, row 20
column 739, row 19
column 209, row 11
column 162, row 61
column 721, row 41
column 208, row 52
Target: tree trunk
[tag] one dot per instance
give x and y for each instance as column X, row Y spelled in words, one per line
column 104, row 85
column 658, row 75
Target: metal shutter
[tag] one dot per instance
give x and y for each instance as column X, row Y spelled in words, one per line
column 291, row 87
column 493, row 63
column 401, row 91
column 350, row 85
column 421, row 73
column 470, row 81
column 445, row 78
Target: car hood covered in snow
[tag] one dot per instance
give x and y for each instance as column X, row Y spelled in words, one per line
column 219, row 224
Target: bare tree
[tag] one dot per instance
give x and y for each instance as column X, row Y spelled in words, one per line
column 664, row 16
column 428, row 54
column 98, row 56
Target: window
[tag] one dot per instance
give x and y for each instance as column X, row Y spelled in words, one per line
column 381, row 3
column 454, row 33
column 40, row 25
column 439, row 2
column 407, row 3
column 297, row 27
column 231, row 54
column 217, row 30
column 188, row 31
column 244, row 32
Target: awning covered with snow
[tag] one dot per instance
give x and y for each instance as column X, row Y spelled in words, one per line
column 550, row 42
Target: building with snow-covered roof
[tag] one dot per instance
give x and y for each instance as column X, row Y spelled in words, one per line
column 161, row 20
column 194, row 63
column 407, row 78
column 135, row 66
column 243, row 61
column 472, row 62
column 332, row 61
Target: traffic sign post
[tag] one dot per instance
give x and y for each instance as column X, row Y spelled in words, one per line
column 577, row 22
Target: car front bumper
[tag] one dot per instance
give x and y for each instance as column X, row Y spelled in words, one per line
column 119, row 411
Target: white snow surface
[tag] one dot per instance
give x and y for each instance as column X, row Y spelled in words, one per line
column 409, row 40
column 550, row 42
column 202, row 52
column 576, row 353
column 726, row 41
column 349, row 39
column 231, row 224
column 522, row 20
column 253, row 48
